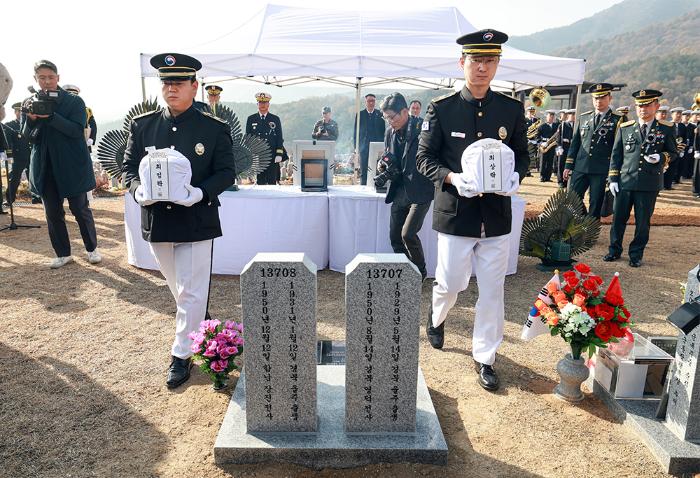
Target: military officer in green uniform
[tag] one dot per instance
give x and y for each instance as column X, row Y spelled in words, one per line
column 588, row 159
column 642, row 149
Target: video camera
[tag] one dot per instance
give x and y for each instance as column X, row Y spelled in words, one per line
column 389, row 167
column 41, row 103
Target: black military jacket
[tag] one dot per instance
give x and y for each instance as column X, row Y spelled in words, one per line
column 372, row 128
column 190, row 133
column 270, row 129
column 17, row 142
column 590, row 147
column 628, row 167
column 567, row 133
column 452, row 123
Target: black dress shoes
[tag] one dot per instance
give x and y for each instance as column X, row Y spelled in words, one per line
column 610, row 257
column 436, row 335
column 635, row 263
column 179, row 372
column 487, row 376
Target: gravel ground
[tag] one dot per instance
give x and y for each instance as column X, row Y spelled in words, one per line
column 84, row 352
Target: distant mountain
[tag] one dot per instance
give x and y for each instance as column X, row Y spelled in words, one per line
column 666, row 57
column 624, row 17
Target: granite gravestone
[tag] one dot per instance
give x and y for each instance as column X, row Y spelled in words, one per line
column 382, row 304
column 683, row 412
column 278, row 299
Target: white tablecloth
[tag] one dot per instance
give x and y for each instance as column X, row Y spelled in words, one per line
column 359, row 222
column 254, row 219
column 332, row 228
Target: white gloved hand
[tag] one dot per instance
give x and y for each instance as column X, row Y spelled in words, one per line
column 140, row 196
column 652, row 158
column 696, row 155
column 90, row 142
column 278, row 159
column 464, row 187
column 512, row 185
column 195, row 195
column 690, row 150
column 3, row 156
column 614, row 189
column 559, row 150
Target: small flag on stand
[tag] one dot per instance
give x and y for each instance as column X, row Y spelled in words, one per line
column 536, row 324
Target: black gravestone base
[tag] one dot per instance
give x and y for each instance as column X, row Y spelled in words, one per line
column 675, row 456
column 330, row 447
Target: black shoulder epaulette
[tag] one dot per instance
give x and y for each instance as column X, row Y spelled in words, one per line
column 143, row 115
column 209, row 115
column 666, row 123
column 627, row 123
column 586, row 112
column 507, row 96
column 444, row 97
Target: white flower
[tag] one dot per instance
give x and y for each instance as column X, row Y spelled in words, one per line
column 575, row 320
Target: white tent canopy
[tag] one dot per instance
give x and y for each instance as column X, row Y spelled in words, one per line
column 291, row 42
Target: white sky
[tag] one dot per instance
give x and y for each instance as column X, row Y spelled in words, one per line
column 96, row 44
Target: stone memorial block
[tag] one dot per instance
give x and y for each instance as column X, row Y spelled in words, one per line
column 692, row 287
column 278, row 298
column 382, row 304
column 683, row 412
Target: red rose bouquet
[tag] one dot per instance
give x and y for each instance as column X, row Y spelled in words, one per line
column 216, row 345
column 578, row 310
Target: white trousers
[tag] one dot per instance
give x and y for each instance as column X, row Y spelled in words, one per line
column 454, row 269
column 186, row 267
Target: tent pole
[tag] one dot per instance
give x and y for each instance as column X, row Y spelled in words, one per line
column 143, row 87
column 578, row 96
column 358, row 94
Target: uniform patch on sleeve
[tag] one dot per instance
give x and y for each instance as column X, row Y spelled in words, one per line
column 425, row 126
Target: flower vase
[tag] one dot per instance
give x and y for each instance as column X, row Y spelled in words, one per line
column 220, row 382
column 572, row 372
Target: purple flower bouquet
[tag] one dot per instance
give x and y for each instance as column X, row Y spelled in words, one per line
column 216, row 345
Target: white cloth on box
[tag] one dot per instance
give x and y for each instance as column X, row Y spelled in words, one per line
column 177, row 173
column 473, row 163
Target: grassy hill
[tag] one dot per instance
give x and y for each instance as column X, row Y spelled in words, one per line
column 624, row 17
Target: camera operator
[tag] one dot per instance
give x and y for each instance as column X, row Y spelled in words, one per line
column 325, row 129
column 60, row 166
column 410, row 193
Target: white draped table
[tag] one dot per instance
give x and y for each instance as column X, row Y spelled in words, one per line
column 359, row 222
column 332, row 228
column 253, row 219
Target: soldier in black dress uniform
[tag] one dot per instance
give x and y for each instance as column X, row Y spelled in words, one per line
column 21, row 151
column 181, row 234
column 588, row 160
column 269, row 126
column 544, row 133
column 566, row 132
column 642, row 149
column 472, row 226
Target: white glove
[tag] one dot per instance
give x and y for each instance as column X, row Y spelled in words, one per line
column 696, row 155
column 3, row 156
column 614, row 189
column 559, row 150
column 464, row 187
column 195, row 195
column 512, row 186
column 90, row 142
column 278, row 159
column 652, row 158
column 140, row 196
column 690, row 150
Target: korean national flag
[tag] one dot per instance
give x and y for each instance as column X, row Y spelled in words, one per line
column 536, row 324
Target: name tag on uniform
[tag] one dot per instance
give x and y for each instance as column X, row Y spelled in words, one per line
column 160, row 186
column 457, row 134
